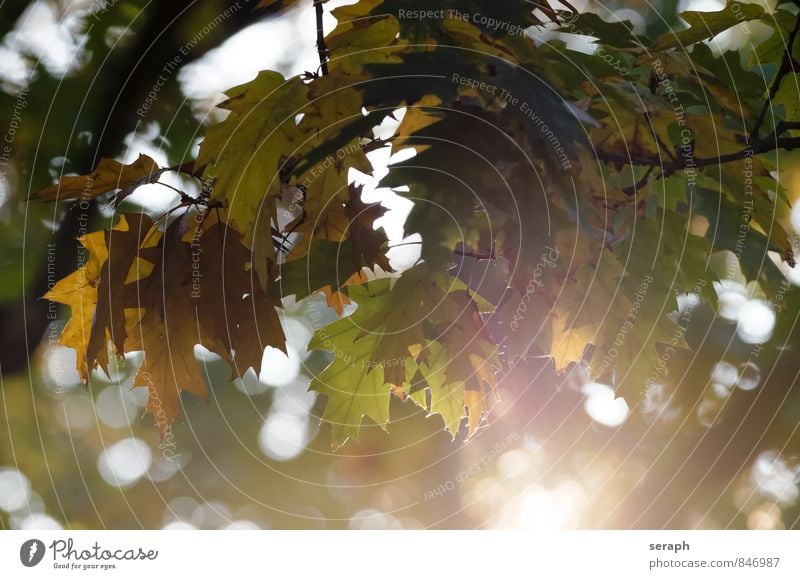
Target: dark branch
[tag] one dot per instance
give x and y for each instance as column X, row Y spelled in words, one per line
column 479, row 255
column 758, row 146
column 787, row 65
column 322, row 50
column 631, row 190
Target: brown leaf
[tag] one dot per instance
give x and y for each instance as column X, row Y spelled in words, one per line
column 110, row 175
column 201, row 291
column 368, row 243
column 122, row 245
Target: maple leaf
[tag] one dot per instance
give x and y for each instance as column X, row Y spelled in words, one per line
column 333, row 150
column 79, row 291
column 366, row 33
column 164, row 294
column 282, row 130
column 447, row 400
column 168, row 335
column 122, row 247
column 199, row 292
column 368, row 243
column 569, row 343
column 355, row 388
column 246, row 154
column 110, row 175
column 472, row 356
column 353, row 221
column 398, row 327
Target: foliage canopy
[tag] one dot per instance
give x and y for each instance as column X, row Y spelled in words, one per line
column 564, row 201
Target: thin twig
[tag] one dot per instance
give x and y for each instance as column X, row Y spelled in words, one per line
column 569, row 6
column 759, row 146
column 488, row 255
column 322, row 50
column 187, row 168
column 630, row 190
column 786, row 66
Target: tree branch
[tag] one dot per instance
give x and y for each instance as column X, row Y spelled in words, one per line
column 322, row 50
column 787, row 65
column 759, row 146
column 487, row 255
column 639, row 184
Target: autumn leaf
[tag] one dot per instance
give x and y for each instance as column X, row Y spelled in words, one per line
column 361, row 38
column 369, row 244
column 472, row 356
column 568, row 344
column 247, row 153
column 110, row 175
column 123, row 247
column 398, row 327
column 79, row 291
column 353, row 221
column 199, row 292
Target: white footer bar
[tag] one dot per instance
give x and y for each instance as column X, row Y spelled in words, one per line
column 401, row 555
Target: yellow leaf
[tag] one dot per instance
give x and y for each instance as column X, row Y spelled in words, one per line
column 478, row 403
column 419, row 116
column 79, row 291
column 569, row 343
column 361, row 38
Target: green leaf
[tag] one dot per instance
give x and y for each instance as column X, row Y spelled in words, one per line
column 399, row 326
column 617, row 33
column 771, row 50
column 354, row 387
column 447, row 400
column 327, row 263
column 246, row 154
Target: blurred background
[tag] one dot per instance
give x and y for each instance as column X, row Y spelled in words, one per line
column 77, row 80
